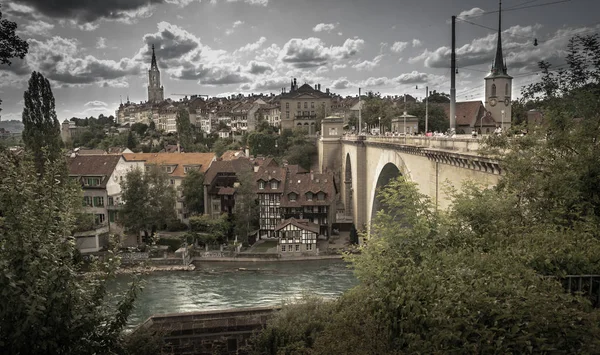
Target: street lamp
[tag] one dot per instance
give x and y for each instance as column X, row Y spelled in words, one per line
column 380, row 125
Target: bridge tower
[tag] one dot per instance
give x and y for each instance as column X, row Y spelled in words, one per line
column 330, row 150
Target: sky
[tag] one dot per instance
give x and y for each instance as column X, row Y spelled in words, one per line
column 97, row 53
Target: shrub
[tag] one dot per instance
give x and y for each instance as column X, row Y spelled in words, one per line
column 175, row 225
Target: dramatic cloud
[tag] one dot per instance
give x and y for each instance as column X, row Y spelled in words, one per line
column 312, row 52
column 474, row 12
column 373, row 82
column 413, row 77
column 251, row 47
column 519, row 52
column 38, row 28
column 214, row 76
column 324, row 27
column 89, row 10
column 101, row 43
column 416, row 43
column 340, row 84
column 235, row 25
column 398, row 47
column 95, row 104
column 368, row 64
column 259, row 67
column 266, row 85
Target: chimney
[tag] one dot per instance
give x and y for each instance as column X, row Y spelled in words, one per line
column 327, row 91
column 295, row 84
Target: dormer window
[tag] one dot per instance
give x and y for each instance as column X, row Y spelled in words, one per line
column 309, row 196
column 293, row 196
column 168, row 169
column 321, row 196
column 274, row 184
column 261, row 185
column 92, row 181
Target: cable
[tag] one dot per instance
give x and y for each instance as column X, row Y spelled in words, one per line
column 518, row 8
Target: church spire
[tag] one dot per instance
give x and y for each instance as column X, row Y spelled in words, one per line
column 153, row 65
column 499, row 66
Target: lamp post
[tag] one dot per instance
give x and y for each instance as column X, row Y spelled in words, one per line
column 380, row 125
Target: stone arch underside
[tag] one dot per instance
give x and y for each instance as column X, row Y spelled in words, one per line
column 389, row 172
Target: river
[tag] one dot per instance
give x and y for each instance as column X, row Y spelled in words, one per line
column 224, row 285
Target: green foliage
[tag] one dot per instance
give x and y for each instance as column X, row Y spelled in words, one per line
column 148, row 199
column 262, row 143
column 131, row 141
column 193, row 192
column 485, row 276
column 49, row 306
column 374, row 107
column 438, row 97
column 11, row 45
column 296, row 148
column 222, row 145
column 207, row 230
column 185, row 130
column 139, row 128
column 175, row 225
column 246, row 207
column 172, row 243
column 41, row 133
column 152, row 126
column 437, row 117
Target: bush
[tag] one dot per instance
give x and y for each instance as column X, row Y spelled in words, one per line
column 173, row 244
column 176, row 225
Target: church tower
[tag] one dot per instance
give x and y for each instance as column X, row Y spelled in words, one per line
column 498, row 85
column 155, row 90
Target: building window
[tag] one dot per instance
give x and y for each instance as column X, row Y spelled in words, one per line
column 312, row 105
column 111, row 201
column 98, row 201
column 493, row 89
column 309, row 196
column 92, row 181
column 321, row 196
column 112, row 216
column 506, row 90
column 287, row 114
column 283, row 248
column 292, row 197
column 274, row 185
column 287, row 105
column 100, row 218
column 172, row 181
column 297, row 247
column 306, row 105
column 87, row 201
column 299, row 105
column 308, row 246
column 261, row 185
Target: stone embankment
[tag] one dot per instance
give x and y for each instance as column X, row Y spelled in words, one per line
column 144, row 269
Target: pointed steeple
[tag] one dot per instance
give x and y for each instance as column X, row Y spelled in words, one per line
column 499, row 67
column 153, row 65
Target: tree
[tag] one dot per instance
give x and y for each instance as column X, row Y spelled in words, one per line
column 193, row 191
column 246, row 207
column 41, row 133
column 438, row 97
column 152, row 126
column 486, row 275
column 148, row 201
column 139, row 128
column 11, row 45
column 131, row 143
column 437, row 117
column 297, row 149
column 207, row 230
column 262, row 143
column 184, row 129
column 48, row 304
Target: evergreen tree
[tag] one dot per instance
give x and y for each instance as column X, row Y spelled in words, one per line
column 41, row 133
column 246, row 207
column 11, row 45
column 131, row 144
column 193, row 191
column 185, row 129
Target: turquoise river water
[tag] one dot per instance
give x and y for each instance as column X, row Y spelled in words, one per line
column 224, row 285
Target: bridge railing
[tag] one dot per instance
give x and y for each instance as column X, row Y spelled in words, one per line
column 458, row 143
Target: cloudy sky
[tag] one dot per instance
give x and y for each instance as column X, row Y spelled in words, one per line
column 95, row 52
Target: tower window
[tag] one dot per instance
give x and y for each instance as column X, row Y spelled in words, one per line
column 493, row 89
column 506, row 90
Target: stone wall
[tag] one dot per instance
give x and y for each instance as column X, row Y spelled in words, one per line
column 210, row 332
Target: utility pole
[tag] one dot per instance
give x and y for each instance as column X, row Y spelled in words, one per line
column 404, row 118
column 359, row 111
column 426, row 108
column 453, row 77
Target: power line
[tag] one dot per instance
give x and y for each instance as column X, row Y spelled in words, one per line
column 518, row 8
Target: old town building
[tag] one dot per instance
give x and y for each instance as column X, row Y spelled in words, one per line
column 301, row 105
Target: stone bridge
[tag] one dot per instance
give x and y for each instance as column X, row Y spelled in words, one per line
column 365, row 163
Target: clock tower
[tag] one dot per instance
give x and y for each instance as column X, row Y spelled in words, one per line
column 155, row 90
column 498, row 85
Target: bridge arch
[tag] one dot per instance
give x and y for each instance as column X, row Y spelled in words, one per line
column 389, row 166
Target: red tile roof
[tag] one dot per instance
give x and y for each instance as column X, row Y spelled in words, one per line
column 467, row 112
column 179, row 160
column 301, row 183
